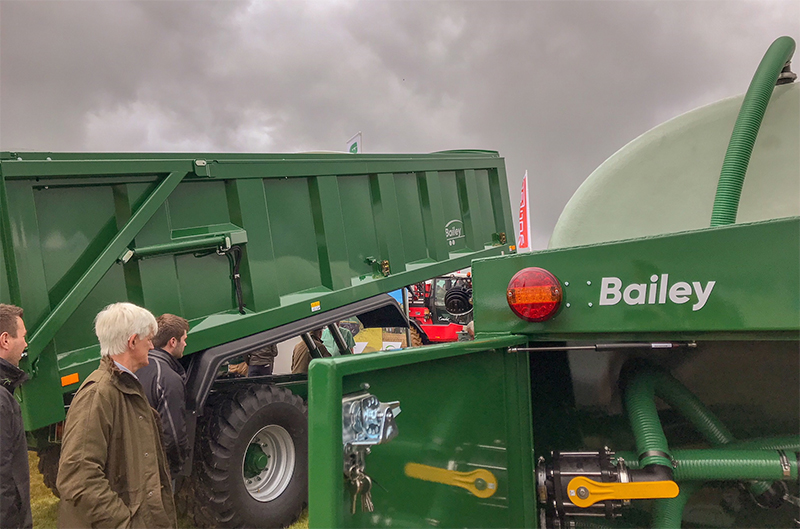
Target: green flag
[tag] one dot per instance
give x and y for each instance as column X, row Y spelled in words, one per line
column 354, row 144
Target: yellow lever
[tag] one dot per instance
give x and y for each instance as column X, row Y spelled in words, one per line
column 584, row 492
column 480, row 482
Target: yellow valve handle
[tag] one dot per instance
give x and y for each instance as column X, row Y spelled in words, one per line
column 584, row 492
column 480, row 482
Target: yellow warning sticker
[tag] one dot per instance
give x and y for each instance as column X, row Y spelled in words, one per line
column 315, row 306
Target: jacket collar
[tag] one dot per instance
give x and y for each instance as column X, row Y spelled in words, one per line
column 170, row 360
column 126, row 382
column 11, row 377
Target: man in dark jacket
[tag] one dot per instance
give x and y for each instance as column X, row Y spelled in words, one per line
column 261, row 361
column 164, row 383
column 15, row 490
column 113, row 471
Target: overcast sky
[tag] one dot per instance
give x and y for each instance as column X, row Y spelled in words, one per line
column 556, row 87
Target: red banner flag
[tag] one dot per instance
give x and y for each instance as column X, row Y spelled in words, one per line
column 523, row 242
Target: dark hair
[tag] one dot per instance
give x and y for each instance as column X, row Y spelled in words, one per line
column 8, row 319
column 169, row 326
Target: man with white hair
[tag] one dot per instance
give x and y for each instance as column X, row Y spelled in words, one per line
column 113, row 470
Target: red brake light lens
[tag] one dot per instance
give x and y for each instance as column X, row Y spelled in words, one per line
column 534, row 294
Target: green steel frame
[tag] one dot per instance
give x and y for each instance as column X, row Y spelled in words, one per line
column 755, row 269
column 79, row 231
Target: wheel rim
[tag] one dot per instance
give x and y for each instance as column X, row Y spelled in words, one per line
column 268, row 481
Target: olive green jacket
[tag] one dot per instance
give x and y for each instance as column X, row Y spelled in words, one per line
column 113, row 471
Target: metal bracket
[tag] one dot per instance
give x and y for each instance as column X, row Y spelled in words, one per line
column 379, row 268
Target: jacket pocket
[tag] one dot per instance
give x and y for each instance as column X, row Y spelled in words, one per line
column 133, row 500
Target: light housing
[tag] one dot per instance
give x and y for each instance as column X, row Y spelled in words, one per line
column 534, row 294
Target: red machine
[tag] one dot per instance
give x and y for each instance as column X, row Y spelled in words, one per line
column 442, row 306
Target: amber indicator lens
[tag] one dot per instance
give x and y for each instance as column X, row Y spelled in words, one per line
column 534, row 294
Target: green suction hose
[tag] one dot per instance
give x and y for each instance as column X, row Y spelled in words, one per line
column 667, row 514
column 731, row 460
column 745, row 131
column 649, row 382
column 725, row 465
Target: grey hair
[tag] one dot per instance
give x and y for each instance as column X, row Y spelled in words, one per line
column 116, row 323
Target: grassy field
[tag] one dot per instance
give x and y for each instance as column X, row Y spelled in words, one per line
column 44, row 504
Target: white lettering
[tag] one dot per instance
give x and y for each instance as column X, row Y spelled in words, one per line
column 612, row 291
column 662, row 292
column 679, row 292
column 651, row 293
column 702, row 295
column 640, row 288
column 609, row 290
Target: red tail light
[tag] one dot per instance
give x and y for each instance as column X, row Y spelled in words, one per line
column 534, row 294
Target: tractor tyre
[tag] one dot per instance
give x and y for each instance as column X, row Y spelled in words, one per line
column 416, row 338
column 253, row 464
column 48, row 466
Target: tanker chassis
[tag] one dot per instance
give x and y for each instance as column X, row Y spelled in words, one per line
column 643, row 371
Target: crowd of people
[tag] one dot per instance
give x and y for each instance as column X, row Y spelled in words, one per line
column 125, row 438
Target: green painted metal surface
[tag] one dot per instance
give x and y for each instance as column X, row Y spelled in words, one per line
column 748, row 277
column 464, row 406
column 81, row 231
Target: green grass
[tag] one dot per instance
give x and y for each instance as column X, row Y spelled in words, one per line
column 44, row 503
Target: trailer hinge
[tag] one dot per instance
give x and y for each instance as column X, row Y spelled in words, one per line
column 379, row 268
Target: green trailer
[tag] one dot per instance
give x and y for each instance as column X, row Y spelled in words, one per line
column 252, row 249
column 643, row 371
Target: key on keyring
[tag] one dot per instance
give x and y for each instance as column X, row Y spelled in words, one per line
column 358, row 486
column 366, row 495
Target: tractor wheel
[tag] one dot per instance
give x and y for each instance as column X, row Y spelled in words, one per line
column 253, row 463
column 48, row 466
column 416, row 338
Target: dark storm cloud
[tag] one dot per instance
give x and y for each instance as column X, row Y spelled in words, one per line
column 556, row 87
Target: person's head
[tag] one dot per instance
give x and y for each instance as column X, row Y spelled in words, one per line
column 171, row 335
column 317, row 333
column 12, row 334
column 125, row 332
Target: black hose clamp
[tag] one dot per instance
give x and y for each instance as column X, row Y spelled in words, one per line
column 785, row 466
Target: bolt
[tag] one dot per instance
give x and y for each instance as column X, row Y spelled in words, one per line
column 568, row 305
column 589, row 283
column 566, row 283
column 480, row 484
column 364, row 386
column 583, row 493
column 590, row 304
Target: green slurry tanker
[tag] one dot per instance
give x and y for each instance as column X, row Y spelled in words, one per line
column 251, row 249
column 643, row 371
